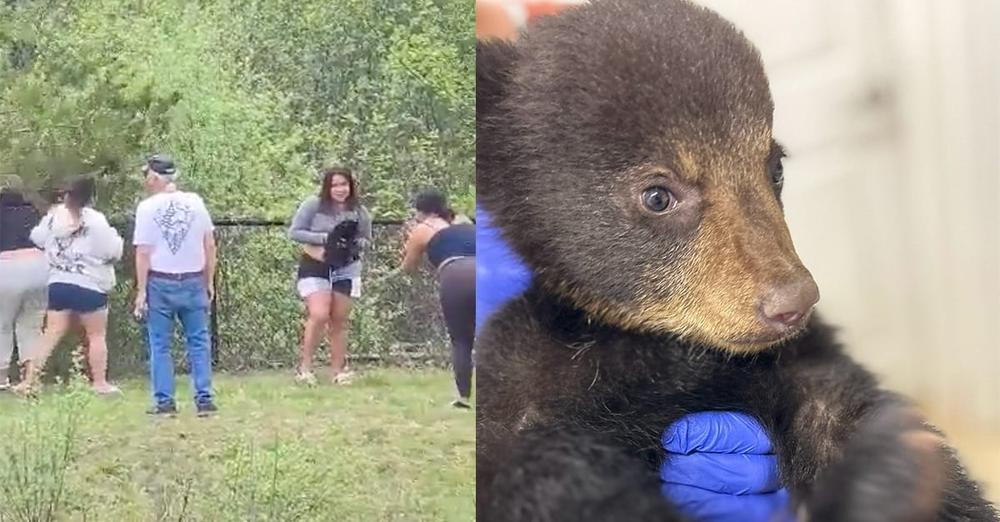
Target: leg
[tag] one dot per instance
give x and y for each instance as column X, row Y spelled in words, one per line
column 160, row 331
column 10, row 312
column 194, row 320
column 317, row 317
column 458, row 303
column 56, row 324
column 83, row 351
column 95, row 325
column 340, row 316
column 31, row 318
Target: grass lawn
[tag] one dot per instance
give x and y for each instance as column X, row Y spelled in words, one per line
column 386, row 447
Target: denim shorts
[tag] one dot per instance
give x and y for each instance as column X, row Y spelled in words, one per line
column 310, row 285
column 314, row 276
column 64, row 297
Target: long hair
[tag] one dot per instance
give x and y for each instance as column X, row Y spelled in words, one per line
column 431, row 201
column 79, row 192
column 324, row 192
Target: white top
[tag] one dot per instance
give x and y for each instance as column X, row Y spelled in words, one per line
column 81, row 254
column 174, row 224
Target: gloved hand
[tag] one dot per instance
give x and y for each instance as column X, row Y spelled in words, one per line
column 500, row 273
column 720, row 468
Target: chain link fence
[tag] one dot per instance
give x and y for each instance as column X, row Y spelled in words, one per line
column 257, row 314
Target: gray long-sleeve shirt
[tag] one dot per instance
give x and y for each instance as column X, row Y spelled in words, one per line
column 312, row 222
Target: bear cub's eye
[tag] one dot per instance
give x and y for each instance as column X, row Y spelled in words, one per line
column 777, row 173
column 658, row 199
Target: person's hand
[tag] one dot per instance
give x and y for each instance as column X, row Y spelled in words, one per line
column 720, row 467
column 141, row 306
column 210, row 287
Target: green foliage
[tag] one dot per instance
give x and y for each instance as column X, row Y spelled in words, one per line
column 251, row 96
column 36, row 455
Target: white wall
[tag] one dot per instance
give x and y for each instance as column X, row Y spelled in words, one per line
column 891, row 112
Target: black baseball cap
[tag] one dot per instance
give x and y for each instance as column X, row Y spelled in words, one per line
column 160, row 164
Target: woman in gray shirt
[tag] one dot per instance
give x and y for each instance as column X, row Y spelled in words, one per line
column 81, row 248
column 328, row 290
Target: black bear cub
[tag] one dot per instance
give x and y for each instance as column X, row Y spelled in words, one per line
column 341, row 247
column 624, row 150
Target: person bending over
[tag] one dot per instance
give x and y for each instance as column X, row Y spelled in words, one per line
column 451, row 250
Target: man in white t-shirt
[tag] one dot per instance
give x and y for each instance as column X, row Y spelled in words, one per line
column 175, row 268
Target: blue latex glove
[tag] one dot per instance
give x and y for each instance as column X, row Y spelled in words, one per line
column 500, row 273
column 720, row 468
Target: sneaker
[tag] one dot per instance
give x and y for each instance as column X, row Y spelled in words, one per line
column 207, row 409
column 462, row 404
column 163, row 409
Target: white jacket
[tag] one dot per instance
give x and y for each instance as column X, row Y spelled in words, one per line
column 82, row 255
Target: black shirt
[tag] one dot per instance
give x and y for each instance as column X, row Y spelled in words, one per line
column 453, row 241
column 17, row 218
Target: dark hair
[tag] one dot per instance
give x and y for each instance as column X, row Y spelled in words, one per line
column 79, row 192
column 324, row 191
column 431, row 201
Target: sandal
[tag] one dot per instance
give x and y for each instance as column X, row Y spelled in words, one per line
column 110, row 390
column 306, row 378
column 343, row 377
column 24, row 390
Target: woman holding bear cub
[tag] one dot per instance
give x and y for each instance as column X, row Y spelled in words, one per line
column 333, row 229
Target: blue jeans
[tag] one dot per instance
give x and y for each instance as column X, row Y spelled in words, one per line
column 188, row 301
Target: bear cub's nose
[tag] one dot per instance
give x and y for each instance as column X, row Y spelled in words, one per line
column 787, row 306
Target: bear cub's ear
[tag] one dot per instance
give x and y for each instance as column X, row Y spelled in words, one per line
column 494, row 66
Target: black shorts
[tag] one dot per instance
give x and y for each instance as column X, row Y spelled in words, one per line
column 64, row 297
column 315, row 276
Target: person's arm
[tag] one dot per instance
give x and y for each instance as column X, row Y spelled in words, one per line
column 142, row 255
column 211, row 250
column 143, row 251
column 211, row 260
column 40, row 234
column 415, row 246
column 299, row 231
column 108, row 244
column 364, row 229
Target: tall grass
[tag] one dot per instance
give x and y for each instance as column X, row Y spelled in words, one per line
column 37, row 452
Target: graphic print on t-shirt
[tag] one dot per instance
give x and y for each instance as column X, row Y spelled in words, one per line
column 65, row 259
column 175, row 222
